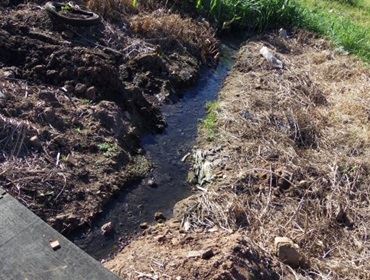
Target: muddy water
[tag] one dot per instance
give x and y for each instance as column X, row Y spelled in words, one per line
column 139, row 203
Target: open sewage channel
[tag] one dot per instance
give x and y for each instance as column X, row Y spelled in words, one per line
column 139, row 203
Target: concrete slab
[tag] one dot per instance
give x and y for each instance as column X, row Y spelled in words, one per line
column 26, row 253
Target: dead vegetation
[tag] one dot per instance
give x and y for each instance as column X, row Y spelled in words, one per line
column 172, row 31
column 111, row 9
column 298, row 147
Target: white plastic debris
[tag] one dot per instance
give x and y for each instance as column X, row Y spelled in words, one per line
column 283, row 33
column 271, row 58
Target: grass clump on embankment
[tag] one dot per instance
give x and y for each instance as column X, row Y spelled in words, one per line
column 253, row 15
column 209, row 124
column 345, row 22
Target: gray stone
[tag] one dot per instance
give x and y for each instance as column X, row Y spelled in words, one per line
column 91, row 93
column 159, row 217
column 287, row 252
column 144, row 225
column 80, row 89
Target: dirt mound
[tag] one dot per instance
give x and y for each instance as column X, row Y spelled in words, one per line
column 289, row 161
column 173, row 254
column 73, row 104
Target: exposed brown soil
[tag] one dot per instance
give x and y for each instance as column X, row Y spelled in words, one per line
column 171, row 253
column 290, row 158
column 74, row 102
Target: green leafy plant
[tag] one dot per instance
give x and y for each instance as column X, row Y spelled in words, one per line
column 209, row 124
column 108, row 149
column 67, row 8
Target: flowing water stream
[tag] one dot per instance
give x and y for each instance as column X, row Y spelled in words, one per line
column 138, row 204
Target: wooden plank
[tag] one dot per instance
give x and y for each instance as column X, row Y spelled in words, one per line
column 25, row 251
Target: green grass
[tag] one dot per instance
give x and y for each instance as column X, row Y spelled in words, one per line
column 345, row 24
column 108, row 149
column 256, row 15
column 209, row 124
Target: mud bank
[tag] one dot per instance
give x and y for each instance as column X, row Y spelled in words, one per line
column 75, row 101
column 289, row 161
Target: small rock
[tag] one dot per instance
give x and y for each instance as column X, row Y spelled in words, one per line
column 161, row 238
column 49, row 115
column 65, row 73
column 67, row 34
column 287, row 252
column 91, row 93
column 51, row 74
column 7, row 73
column 107, row 228
column 80, row 89
column 192, row 178
column 159, row 217
column 207, row 254
column 151, row 183
column 204, row 254
column 39, row 69
column 55, row 245
column 35, row 141
column 144, row 225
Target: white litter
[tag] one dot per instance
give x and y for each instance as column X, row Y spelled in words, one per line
column 271, row 58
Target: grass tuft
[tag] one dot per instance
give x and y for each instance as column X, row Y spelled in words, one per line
column 209, row 124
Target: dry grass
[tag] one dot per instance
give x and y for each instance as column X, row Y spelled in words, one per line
column 298, row 147
column 14, row 135
column 111, row 9
column 172, row 31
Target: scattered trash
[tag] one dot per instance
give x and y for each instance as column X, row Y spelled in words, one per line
column 283, row 33
column 55, row 245
column 202, row 167
column 68, row 13
column 271, row 58
column 151, row 183
column 185, row 157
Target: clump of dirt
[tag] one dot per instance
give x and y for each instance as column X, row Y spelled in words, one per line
column 73, row 104
column 290, row 158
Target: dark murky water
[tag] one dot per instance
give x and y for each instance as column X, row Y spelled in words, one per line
column 139, row 203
